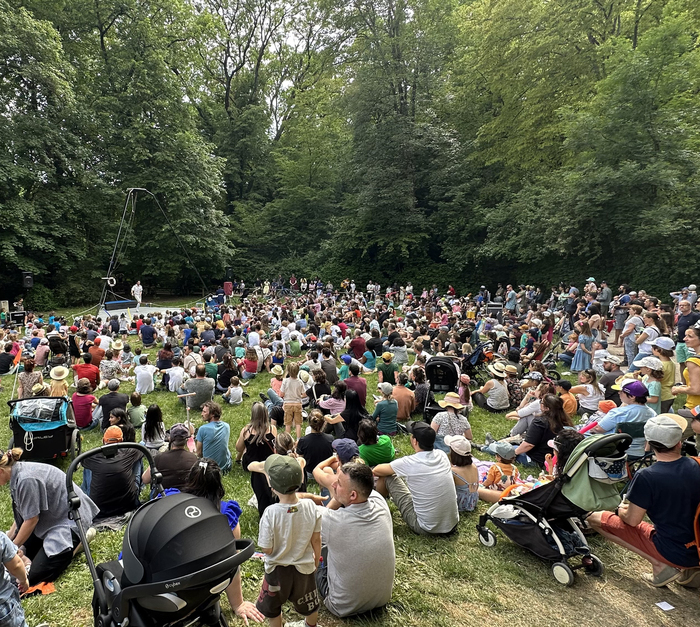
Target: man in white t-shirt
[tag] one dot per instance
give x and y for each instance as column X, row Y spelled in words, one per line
column 357, row 539
column 137, row 292
column 421, row 484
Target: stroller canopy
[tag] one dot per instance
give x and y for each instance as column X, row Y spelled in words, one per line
column 175, row 536
column 39, row 413
column 585, row 488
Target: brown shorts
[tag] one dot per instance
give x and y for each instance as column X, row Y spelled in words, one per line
column 292, row 414
column 286, row 583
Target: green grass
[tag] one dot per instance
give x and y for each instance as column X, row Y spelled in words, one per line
column 441, row 582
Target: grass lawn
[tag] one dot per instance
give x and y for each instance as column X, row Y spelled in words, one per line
column 438, row 582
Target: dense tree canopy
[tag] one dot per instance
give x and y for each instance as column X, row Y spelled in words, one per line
column 461, row 141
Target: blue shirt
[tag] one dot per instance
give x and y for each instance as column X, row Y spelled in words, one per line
column 214, row 437
column 7, row 551
column 148, row 334
column 371, row 360
column 628, row 413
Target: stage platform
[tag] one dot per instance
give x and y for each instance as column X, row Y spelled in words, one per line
column 130, row 312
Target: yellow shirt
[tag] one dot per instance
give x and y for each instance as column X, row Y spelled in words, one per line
column 691, row 400
column 669, row 378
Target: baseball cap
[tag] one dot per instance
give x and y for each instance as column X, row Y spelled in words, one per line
column 112, row 435
column 666, row 429
column 179, row 432
column 346, row 358
column 386, row 388
column 663, row 342
column 284, row 473
column 606, row 406
column 423, row 433
column 632, row 388
column 73, row 329
column 459, row 444
column 97, row 341
column 346, row 448
column 503, row 450
column 613, row 359
column 387, row 356
column 240, row 343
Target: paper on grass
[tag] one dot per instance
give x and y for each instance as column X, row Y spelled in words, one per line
column 665, row 606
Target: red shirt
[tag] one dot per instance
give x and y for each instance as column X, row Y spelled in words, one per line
column 360, row 386
column 358, row 347
column 89, row 372
column 82, row 408
column 97, row 355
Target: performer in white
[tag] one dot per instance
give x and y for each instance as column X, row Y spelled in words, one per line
column 136, row 292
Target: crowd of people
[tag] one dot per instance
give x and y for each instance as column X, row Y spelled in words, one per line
column 314, row 345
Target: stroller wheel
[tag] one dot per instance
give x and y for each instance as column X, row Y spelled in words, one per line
column 553, row 373
column 593, row 565
column 563, row 573
column 487, row 537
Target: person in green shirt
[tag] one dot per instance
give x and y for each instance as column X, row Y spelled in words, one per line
column 386, row 371
column 212, row 370
column 386, row 410
column 374, row 448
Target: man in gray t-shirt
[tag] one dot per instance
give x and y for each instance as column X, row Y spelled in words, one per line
column 356, row 540
column 202, row 387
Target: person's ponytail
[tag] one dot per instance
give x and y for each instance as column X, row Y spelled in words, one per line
column 10, row 457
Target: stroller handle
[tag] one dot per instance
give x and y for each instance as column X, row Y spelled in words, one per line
column 606, row 441
column 108, row 449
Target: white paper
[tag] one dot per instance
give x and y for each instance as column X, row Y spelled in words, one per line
column 665, row 606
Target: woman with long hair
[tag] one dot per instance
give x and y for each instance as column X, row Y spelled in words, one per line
column 226, row 371
column 588, row 392
column 534, row 447
column 654, row 326
column 153, row 429
column 351, row 416
column 255, row 444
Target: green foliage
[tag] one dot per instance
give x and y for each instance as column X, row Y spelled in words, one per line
column 441, row 141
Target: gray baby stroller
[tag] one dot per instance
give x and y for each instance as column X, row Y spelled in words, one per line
column 547, row 520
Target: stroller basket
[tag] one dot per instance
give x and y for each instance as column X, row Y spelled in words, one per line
column 608, row 469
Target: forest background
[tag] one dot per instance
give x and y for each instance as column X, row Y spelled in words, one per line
column 460, row 141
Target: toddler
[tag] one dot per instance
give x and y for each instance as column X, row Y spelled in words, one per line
column 503, row 473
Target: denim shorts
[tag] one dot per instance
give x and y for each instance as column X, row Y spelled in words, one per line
column 11, row 612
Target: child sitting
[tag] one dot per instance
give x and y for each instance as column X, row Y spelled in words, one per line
column 127, row 357
column 503, row 473
column 600, row 353
column 592, row 420
column 136, row 413
column 59, row 385
column 234, row 395
column 290, row 536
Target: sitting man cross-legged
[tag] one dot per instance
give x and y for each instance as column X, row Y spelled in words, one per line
column 668, row 492
column 421, row 484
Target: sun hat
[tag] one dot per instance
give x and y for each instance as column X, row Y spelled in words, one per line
column 497, row 370
column 632, row 388
column 277, row 370
column 117, row 345
column 590, row 278
column 59, row 373
column 304, row 376
column 504, row 450
column 663, row 342
column 451, row 400
column 346, row 358
column 459, row 444
column 666, row 429
column 613, row 359
column 649, row 362
column 346, row 449
column 112, row 435
column 692, row 287
column 284, row 473
column 386, row 388
column 387, row 356
column 38, row 387
column 464, row 378
column 511, row 369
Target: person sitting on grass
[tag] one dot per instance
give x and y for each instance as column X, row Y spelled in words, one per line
column 201, row 386
column 137, row 412
column 464, row 473
column 212, row 437
column 503, row 473
column 84, row 404
column 315, row 446
column 450, row 421
column 386, row 410
column 374, row 448
column 421, row 485
column 289, row 565
column 234, row 394
column 345, row 451
column 668, row 492
column 387, row 369
column 13, row 613
column 497, row 400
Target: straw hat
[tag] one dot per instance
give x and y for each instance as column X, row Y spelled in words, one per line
column 498, row 370
column 277, row 370
column 59, row 373
column 451, row 400
column 511, row 369
column 117, row 345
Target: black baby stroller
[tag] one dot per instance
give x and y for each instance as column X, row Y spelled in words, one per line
column 474, row 364
column 44, row 427
column 547, row 520
column 443, row 377
column 178, row 556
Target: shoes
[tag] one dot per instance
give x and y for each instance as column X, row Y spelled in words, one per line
column 665, row 577
column 690, row 578
column 300, row 623
column 253, row 501
column 263, row 397
column 488, row 439
column 90, row 536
